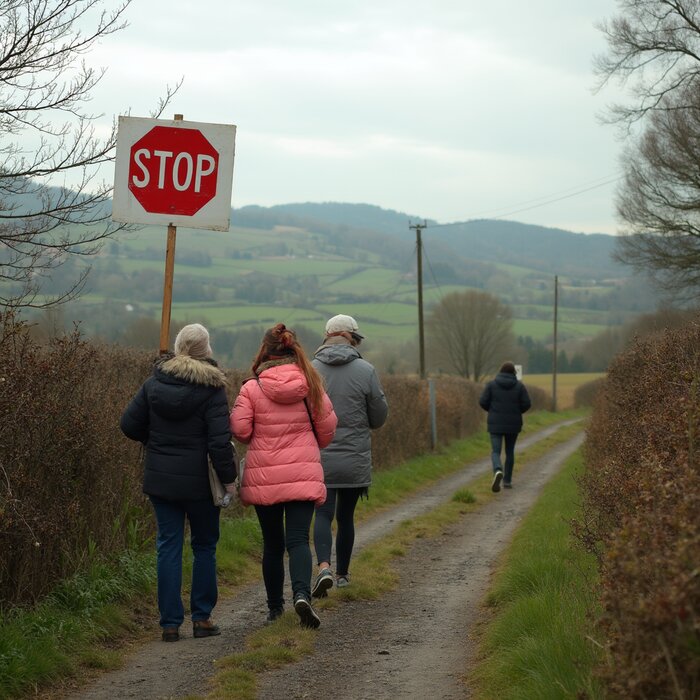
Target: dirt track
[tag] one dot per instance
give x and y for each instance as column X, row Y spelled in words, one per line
column 413, row 643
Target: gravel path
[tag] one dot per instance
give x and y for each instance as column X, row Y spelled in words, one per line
column 413, row 643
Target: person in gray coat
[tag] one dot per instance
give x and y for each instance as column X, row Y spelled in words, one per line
column 359, row 402
column 506, row 399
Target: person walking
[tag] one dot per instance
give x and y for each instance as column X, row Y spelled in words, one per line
column 180, row 414
column 360, row 404
column 506, row 399
column 283, row 413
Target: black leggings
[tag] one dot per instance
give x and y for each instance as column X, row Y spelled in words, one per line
column 340, row 503
column 286, row 526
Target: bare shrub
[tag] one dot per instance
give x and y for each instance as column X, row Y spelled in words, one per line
column 585, row 394
column 541, row 399
column 68, row 479
column 641, row 515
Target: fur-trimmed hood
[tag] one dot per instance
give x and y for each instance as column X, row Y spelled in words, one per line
column 181, row 384
column 193, row 371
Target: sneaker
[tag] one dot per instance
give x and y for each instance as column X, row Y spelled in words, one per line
column 274, row 614
column 322, row 584
column 307, row 615
column 204, row 628
column 508, row 485
column 496, row 483
column 170, row 634
column 342, row 581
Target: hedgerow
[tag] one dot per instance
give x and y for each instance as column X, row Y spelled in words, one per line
column 642, row 515
column 70, row 482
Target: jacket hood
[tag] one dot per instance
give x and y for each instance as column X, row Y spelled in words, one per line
column 282, row 381
column 337, row 354
column 183, row 384
column 506, row 380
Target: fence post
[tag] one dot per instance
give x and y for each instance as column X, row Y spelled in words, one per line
column 433, row 414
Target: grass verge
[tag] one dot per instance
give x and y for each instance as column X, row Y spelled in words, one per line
column 538, row 642
column 82, row 626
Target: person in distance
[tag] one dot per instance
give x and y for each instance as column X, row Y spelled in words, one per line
column 506, row 399
column 180, row 414
column 360, row 404
column 283, row 413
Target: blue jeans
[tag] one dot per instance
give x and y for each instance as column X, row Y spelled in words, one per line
column 286, row 526
column 340, row 503
column 204, row 530
column 497, row 440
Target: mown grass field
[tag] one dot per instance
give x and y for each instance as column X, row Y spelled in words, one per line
column 566, row 385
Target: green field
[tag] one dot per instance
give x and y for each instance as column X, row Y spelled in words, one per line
column 314, row 276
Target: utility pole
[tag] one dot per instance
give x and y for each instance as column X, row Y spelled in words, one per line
column 419, row 253
column 554, row 353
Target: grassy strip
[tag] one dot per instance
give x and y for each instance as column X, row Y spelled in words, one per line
column 80, row 625
column 538, row 643
column 55, row 639
column 374, row 575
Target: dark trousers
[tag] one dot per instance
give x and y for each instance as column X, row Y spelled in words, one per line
column 285, row 526
column 497, row 440
column 203, row 517
column 340, row 503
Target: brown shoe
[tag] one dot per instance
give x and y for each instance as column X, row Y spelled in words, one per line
column 204, row 628
column 171, row 634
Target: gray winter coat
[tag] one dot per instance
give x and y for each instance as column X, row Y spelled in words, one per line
column 359, row 402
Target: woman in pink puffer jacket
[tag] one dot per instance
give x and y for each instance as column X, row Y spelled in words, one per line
column 285, row 416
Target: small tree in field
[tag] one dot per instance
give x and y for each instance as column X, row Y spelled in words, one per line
column 470, row 334
column 48, row 141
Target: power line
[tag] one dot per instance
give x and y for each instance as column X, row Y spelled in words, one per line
column 536, row 203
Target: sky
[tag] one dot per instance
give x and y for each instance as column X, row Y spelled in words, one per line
column 442, row 109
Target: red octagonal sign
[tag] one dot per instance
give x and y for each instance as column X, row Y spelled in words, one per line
column 173, row 171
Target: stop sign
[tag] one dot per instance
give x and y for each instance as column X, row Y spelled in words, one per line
column 173, row 171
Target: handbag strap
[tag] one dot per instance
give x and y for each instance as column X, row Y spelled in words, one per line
column 311, row 420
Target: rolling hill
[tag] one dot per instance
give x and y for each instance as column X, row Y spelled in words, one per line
column 300, row 263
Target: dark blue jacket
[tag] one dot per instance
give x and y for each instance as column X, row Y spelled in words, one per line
column 506, row 399
column 181, row 416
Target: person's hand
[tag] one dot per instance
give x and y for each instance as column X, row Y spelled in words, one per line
column 231, row 488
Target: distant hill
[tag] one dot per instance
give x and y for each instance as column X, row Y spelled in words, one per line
column 359, row 216
column 549, row 250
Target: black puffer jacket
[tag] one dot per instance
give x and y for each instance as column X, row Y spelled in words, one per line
column 181, row 415
column 506, row 399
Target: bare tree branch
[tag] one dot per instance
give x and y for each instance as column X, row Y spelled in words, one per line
column 470, row 334
column 44, row 88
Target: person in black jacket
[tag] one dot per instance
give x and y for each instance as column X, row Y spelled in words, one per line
column 180, row 414
column 506, row 399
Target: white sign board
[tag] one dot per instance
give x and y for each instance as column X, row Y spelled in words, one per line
column 173, row 172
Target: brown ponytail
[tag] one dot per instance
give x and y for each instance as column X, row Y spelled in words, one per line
column 279, row 342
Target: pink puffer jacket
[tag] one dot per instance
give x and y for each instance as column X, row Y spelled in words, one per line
column 283, row 462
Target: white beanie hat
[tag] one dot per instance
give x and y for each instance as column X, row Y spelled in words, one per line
column 193, row 340
column 342, row 324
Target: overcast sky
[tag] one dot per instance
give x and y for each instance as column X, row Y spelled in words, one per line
column 444, row 109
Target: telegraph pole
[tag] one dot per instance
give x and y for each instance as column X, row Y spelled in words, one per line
column 554, row 352
column 419, row 253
